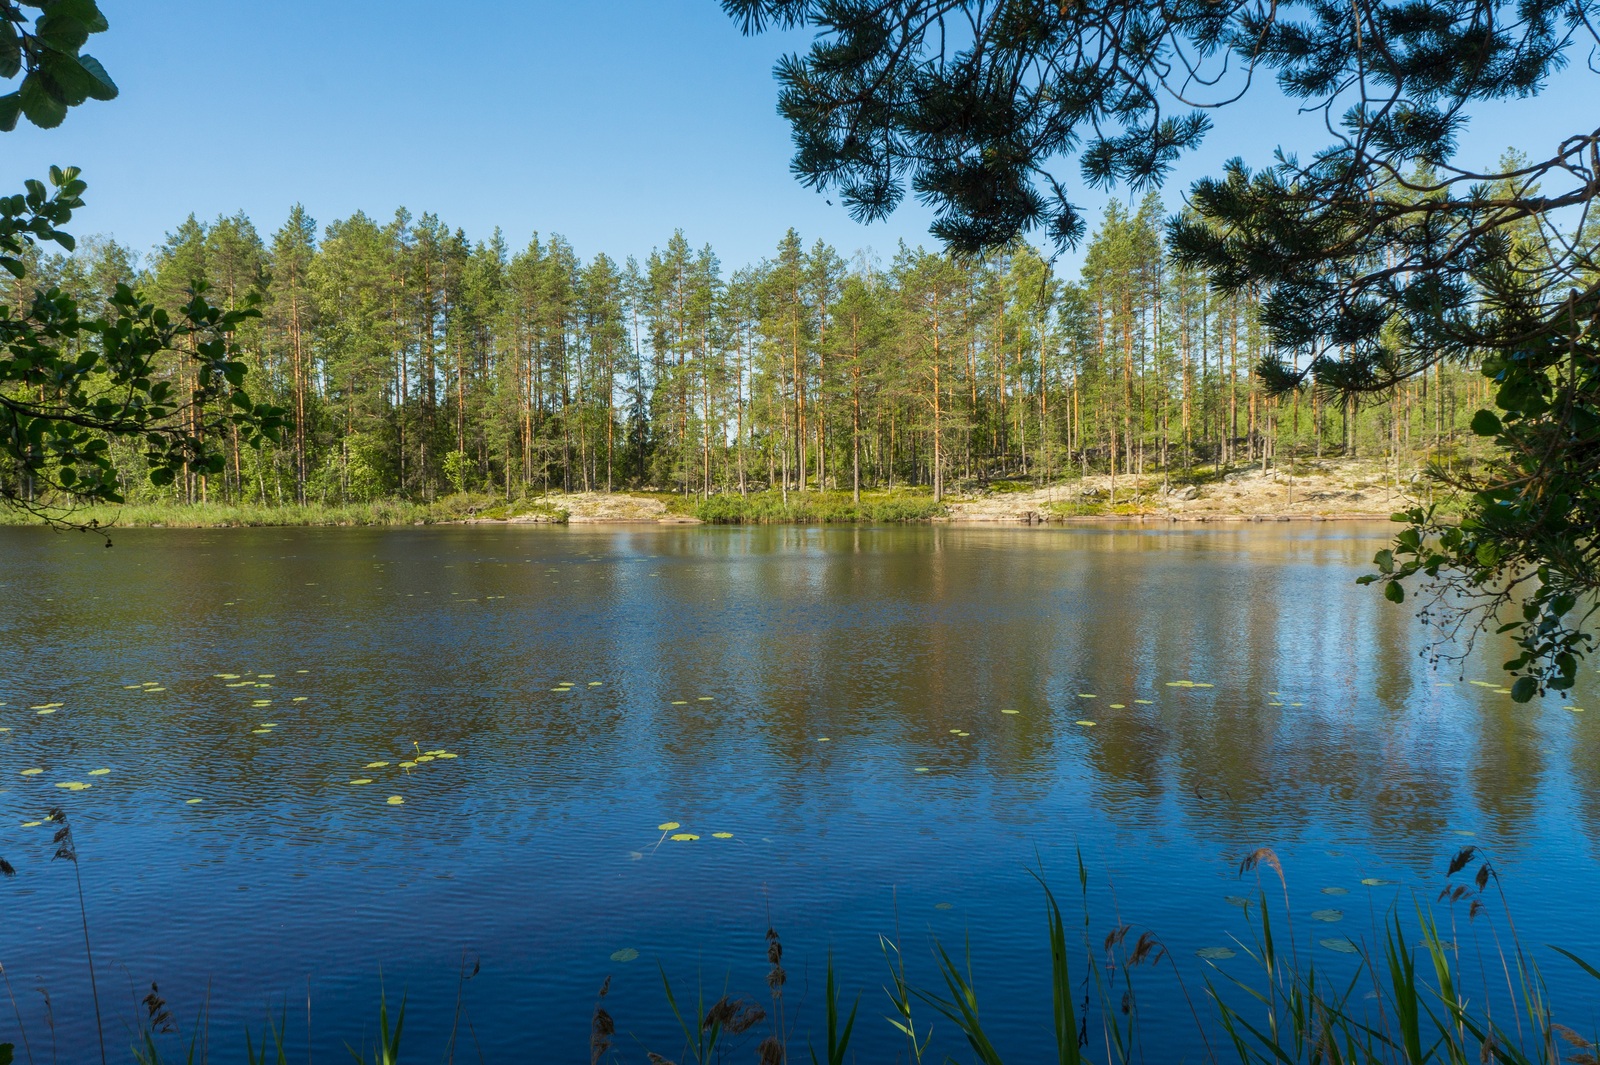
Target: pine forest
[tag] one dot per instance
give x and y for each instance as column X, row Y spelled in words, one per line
column 414, row 362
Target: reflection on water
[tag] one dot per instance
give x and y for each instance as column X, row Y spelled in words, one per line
column 862, row 726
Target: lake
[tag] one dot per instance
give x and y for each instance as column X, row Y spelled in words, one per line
column 869, row 731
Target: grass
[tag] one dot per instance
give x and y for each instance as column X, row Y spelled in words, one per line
column 816, row 508
column 1402, row 998
column 221, row 515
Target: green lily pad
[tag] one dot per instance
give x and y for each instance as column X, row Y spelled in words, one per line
column 626, row 954
column 1376, row 881
column 1341, row 944
column 1327, row 916
column 1237, row 900
column 1335, row 891
column 1215, row 953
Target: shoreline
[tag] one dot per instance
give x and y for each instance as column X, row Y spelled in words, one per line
column 1344, row 491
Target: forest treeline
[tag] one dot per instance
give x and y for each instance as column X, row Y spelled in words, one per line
column 414, row 362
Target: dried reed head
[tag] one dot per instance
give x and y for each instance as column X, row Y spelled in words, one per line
column 776, row 977
column 770, row 1052
column 160, row 1018
column 601, row 1027
column 65, row 849
column 731, row 1015
column 1261, row 856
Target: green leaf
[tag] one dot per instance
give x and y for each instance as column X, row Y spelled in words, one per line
column 6, row 1050
column 10, row 109
column 1394, row 592
column 1484, row 423
column 1524, row 689
column 10, row 50
column 39, row 104
column 104, row 88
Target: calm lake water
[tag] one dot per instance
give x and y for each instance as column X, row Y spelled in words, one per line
column 834, row 700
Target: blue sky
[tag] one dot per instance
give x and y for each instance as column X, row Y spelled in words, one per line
column 611, row 122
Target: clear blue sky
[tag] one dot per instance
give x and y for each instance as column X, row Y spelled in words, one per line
column 611, row 122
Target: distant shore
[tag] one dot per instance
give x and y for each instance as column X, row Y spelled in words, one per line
column 1313, row 492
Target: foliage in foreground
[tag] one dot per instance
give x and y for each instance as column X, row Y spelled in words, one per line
column 1416, row 989
column 1526, row 545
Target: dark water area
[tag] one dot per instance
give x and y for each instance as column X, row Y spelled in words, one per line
column 870, row 731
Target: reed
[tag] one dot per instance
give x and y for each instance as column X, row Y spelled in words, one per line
column 1403, row 999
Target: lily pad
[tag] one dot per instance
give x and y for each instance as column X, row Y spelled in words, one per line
column 98, row 772
column 395, row 800
column 626, row 954
column 1376, row 881
column 1237, row 900
column 722, row 835
column 684, row 837
column 71, row 785
column 32, row 772
column 376, row 765
column 1327, row 916
column 362, row 780
column 32, row 824
column 824, row 739
column 1145, row 702
column 1118, row 706
column 192, row 802
column 944, row 905
column 1340, row 944
column 668, row 826
column 1215, row 953
column 1011, row 711
column 1085, row 724
column 1335, row 891
column 920, row 769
